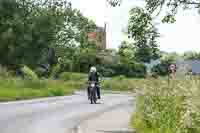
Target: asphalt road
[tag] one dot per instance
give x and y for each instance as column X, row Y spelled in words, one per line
column 55, row 115
column 116, row 120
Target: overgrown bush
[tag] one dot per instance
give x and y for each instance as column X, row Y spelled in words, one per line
column 4, row 72
column 135, row 70
column 28, row 73
column 66, row 76
column 168, row 109
column 106, row 71
column 119, row 83
column 160, row 69
column 19, row 89
column 55, row 71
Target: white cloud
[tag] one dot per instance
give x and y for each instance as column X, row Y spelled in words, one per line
column 181, row 36
column 93, row 9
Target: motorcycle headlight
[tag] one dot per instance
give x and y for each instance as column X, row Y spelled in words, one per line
column 92, row 85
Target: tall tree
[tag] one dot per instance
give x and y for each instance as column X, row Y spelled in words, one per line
column 191, row 55
column 126, row 52
column 27, row 30
column 72, row 42
column 171, row 7
column 144, row 33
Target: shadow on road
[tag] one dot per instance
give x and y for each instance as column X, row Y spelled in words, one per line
column 98, row 103
column 115, row 131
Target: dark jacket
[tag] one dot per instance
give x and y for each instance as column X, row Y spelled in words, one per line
column 93, row 76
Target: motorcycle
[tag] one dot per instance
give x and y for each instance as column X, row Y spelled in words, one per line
column 92, row 93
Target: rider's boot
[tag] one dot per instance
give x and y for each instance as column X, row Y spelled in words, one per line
column 98, row 93
column 88, row 93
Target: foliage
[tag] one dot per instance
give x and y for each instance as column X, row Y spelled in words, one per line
column 161, row 69
column 85, row 58
column 126, row 52
column 56, row 92
column 129, row 64
column 53, row 34
column 4, row 72
column 129, row 70
column 140, row 23
column 168, row 108
column 106, row 71
column 105, row 60
column 145, row 35
column 27, row 30
column 166, row 60
column 28, row 73
column 73, row 46
column 144, row 32
column 18, row 89
column 66, row 76
column 170, row 7
column 55, row 71
column 114, row 2
column 191, row 55
column 34, row 32
column 120, row 83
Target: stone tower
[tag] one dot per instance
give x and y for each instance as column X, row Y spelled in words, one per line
column 99, row 37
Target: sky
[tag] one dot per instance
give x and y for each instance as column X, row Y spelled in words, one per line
column 178, row 37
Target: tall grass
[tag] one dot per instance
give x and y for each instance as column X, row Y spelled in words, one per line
column 69, row 76
column 18, row 89
column 30, row 86
column 119, row 83
column 4, row 72
column 168, row 108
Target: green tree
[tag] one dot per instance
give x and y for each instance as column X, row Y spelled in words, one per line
column 75, row 30
column 171, row 7
column 27, row 30
column 145, row 34
column 126, row 52
column 166, row 60
column 84, row 58
column 72, row 41
column 191, row 55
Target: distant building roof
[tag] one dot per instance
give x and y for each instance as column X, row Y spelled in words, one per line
column 193, row 65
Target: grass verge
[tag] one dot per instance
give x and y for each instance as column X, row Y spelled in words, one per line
column 168, row 108
column 17, row 89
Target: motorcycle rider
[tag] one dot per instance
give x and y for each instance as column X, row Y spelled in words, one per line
column 93, row 76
